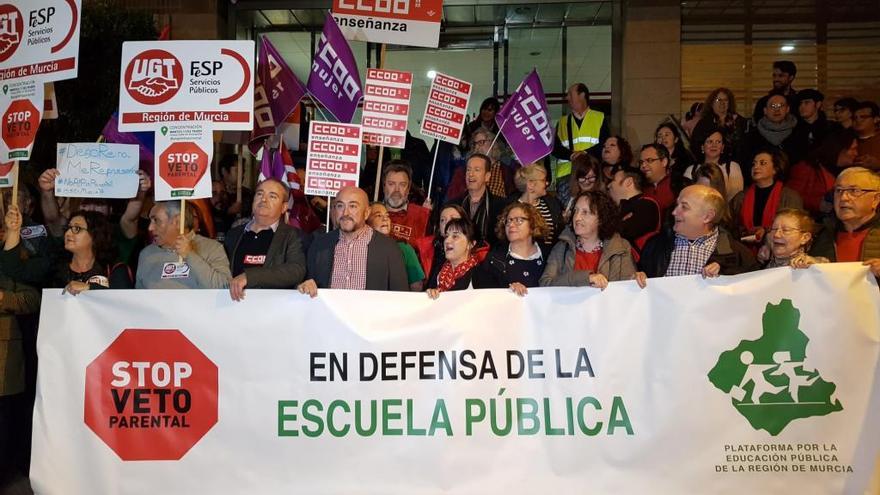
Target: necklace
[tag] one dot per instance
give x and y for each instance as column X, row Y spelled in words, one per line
column 583, row 249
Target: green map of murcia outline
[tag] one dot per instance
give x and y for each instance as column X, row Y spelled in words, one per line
column 769, row 379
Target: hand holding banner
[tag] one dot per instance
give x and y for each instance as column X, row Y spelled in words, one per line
column 525, row 121
column 334, row 80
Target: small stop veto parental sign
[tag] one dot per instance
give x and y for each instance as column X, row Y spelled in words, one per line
column 183, row 161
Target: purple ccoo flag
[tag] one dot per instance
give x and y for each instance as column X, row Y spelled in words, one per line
column 277, row 92
column 525, row 121
column 334, row 80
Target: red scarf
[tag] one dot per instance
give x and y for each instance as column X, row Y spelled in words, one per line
column 748, row 207
column 448, row 275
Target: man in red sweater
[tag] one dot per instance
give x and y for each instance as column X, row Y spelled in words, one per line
column 408, row 221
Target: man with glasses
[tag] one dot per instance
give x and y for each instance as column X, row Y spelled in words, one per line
column 784, row 72
column 777, row 129
column 854, row 233
column 654, row 163
column 865, row 121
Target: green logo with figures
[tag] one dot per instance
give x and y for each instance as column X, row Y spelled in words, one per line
column 769, row 380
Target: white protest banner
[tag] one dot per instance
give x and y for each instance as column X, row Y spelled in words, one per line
column 399, row 22
column 565, row 390
column 446, row 108
column 386, row 107
column 97, row 170
column 333, row 160
column 184, row 151
column 178, row 81
column 7, row 178
column 50, row 102
column 21, row 105
column 39, row 39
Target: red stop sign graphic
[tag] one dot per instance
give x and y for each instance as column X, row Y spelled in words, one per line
column 182, row 165
column 151, row 395
column 20, row 124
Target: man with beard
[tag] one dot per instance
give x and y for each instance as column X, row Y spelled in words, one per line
column 353, row 256
column 408, row 221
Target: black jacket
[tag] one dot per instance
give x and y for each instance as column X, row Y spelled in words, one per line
column 486, row 216
column 285, row 265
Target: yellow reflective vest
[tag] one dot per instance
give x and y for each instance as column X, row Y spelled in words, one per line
column 578, row 138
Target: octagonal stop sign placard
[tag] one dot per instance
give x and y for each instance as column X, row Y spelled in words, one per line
column 183, row 166
column 151, row 395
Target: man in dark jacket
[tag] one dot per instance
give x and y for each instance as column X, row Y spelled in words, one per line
column 481, row 205
column 696, row 244
column 780, row 129
column 354, row 256
column 266, row 253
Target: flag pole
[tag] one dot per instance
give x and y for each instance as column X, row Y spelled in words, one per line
column 317, row 107
column 329, row 199
column 433, row 165
column 182, row 223
column 381, row 147
column 238, row 172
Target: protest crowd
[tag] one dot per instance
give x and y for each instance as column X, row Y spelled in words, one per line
column 729, row 191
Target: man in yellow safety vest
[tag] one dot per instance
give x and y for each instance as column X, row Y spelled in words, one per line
column 577, row 132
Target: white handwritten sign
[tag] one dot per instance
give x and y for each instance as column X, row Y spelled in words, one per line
column 97, row 170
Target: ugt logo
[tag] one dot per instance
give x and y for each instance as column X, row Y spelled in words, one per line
column 769, row 380
column 153, row 77
column 11, row 29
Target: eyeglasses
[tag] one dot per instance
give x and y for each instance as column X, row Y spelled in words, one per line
column 648, row 161
column 515, row 220
column 853, row 192
column 777, row 106
column 76, row 229
column 785, row 230
column 587, row 178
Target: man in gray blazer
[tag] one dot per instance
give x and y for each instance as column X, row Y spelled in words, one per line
column 354, row 256
column 265, row 253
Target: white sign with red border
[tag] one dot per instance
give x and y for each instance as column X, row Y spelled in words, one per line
column 185, row 81
column 446, row 108
column 39, row 39
column 21, row 104
column 386, row 107
column 400, row 22
column 334, row 157
column 183, row 161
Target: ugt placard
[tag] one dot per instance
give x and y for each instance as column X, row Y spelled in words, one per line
column 39, row 39
column 186, row 81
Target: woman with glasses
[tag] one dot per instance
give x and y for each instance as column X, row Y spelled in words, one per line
column 719, row 112
column 788, row 240
column 586, row 175
column 519, row 262
column 88, row 240
column 535, row 194
column 714, row 152
column 590, row 252
column 755, row 208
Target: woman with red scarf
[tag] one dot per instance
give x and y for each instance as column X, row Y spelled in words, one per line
column 755, row 208
column 457, row 272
